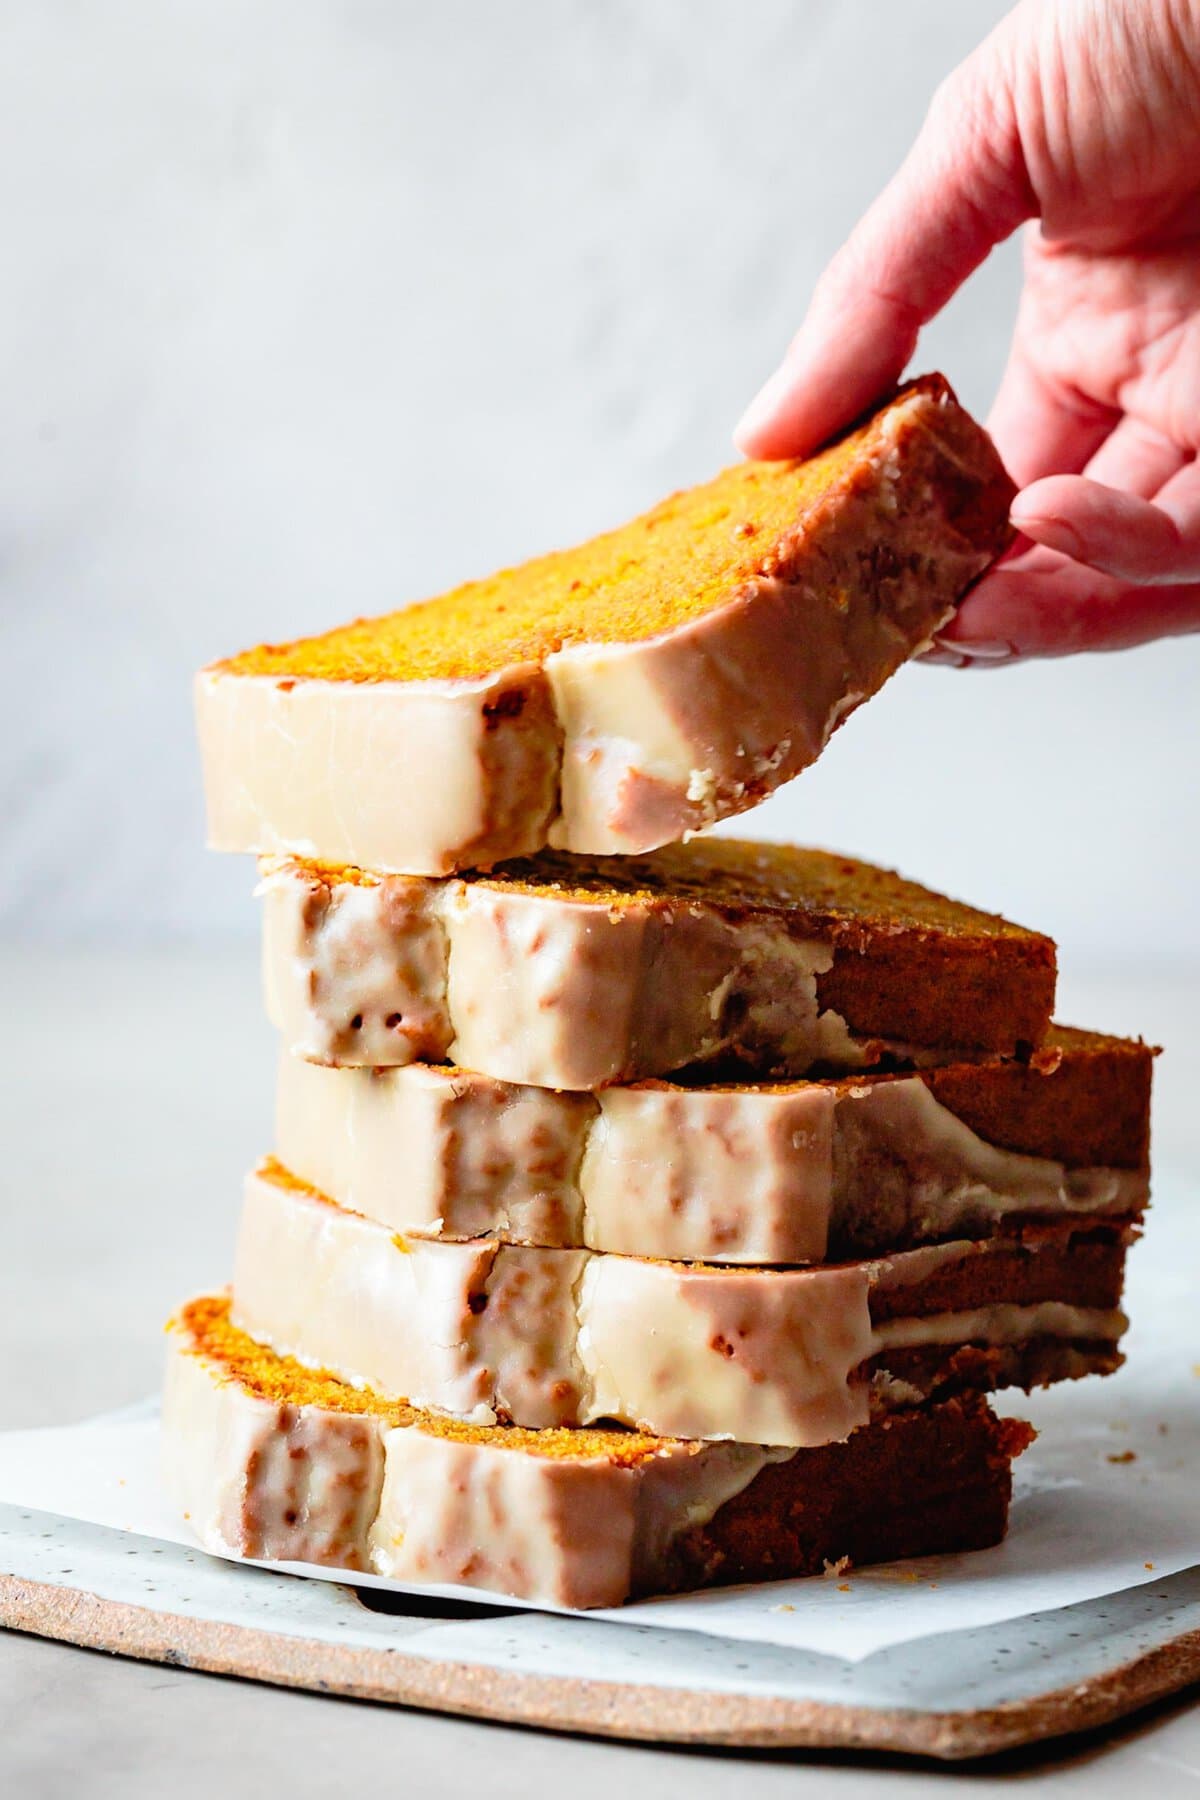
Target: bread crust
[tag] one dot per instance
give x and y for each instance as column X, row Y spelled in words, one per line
column 1083, row 1099
column 914, row 1483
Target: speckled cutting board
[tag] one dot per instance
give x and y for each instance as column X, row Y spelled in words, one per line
column 956, row 1694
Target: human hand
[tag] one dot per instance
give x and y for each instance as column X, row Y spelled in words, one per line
column 1085, row 116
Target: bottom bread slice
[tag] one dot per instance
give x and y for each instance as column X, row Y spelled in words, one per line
column 269, row 1459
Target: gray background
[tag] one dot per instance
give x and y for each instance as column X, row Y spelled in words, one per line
column 311, row 307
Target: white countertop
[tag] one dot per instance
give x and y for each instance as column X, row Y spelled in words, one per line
column 136, row 1088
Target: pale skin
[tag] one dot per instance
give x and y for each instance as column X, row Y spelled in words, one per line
column 1080, row 121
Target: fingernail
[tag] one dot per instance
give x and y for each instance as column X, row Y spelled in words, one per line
column 985, row 647
column 985, row 650
column 1048, row 528
column 761, row 410
column 942, row 659
column 961, row 654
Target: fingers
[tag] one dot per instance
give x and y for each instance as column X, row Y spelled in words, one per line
column 1107, row 568
column 1040, row 427
column 1118, row 533
column 1135, row 457
column 826, row 379
column 962, row 189
column 1043, row 604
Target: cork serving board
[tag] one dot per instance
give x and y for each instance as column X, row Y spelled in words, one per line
column 957, row 1695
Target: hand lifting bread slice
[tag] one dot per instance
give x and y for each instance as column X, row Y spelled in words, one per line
column 571, row 1337
column 274, row 1461
column 575, row 972
column 614, row 697
column 787, row 1172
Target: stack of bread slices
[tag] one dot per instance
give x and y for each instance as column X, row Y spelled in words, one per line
column 645, row 1210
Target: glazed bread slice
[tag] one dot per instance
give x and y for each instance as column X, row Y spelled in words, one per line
column 788, row 1172
column 576, row 972
column 613, row 697
column 274, row 1461
column 571, row 1337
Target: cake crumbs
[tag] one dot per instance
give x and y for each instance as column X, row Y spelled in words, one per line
column 1122, row 1456
column 840, row 1567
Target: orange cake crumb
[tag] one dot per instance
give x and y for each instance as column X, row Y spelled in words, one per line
column 694, row 551
column 209, row 1332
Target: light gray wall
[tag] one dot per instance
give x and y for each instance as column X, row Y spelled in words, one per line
column 309, row 307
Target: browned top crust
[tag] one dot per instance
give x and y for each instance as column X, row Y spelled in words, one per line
column 823, row 891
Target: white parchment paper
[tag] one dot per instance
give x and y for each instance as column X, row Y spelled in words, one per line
column 1107, row 1498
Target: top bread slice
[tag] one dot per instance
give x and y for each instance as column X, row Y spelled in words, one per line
column 614, row 697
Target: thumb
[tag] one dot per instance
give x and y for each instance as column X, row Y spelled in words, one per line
column 962, row 189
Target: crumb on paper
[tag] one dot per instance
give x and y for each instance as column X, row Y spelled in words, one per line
column 1122, row 1456
column 1163, row 1429
column 1196, row 1368
column 1147, row 1565
column 784, row 1606
column 840, row 1567
column 844, row 1587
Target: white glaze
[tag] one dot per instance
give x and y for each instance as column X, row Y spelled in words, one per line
column 303, row 1483
column 532, row 987
column 413, row 777
column 262, row 1479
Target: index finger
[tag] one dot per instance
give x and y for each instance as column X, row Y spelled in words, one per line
column 962, row 189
